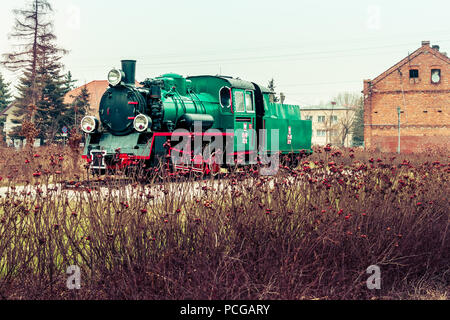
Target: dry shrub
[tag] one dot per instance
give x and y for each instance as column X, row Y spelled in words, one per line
column 74, row 145
column 309, row 232
column 53, row 163
column 30, row 132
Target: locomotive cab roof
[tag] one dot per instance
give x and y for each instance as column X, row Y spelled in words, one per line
column 231, row 82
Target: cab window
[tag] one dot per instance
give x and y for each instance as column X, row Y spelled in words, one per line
column 225, row 97
column 249, row 101
column 239, row 101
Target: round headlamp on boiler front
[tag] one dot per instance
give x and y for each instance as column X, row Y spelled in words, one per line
column 89, row 124
column 115, row 77
column 141, row 122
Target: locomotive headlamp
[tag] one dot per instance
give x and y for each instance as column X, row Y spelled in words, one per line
column 89, row 124
column 115, row 77
column 141, row 122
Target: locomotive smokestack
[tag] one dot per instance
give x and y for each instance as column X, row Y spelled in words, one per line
column 129, row 68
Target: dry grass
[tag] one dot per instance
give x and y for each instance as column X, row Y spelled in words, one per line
column 55, row 162
column 305, row 233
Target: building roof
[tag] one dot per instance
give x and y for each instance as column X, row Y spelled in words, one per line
column 425, row 48
column 235, row 83
column 95, row 88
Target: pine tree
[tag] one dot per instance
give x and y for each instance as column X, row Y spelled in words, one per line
column 78, row 108
column 50, row 108
column 69, row 82
column 271, row 86
column 41, row 86
column 5, row 100
column 5, row 95
column 82, row 102
column 358, row 127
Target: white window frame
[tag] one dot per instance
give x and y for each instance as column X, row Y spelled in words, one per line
column 253, row 101
column 239, row 91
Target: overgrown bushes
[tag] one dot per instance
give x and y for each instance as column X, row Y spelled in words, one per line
column 309, row 232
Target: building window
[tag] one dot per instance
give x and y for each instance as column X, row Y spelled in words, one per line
column 414, row 74
column 321, row 119
column 333, row 133
column 321, row 133
column 334, row 119
column 435, row 75
column 309, row 118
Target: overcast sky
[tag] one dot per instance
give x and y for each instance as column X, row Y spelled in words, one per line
column 313, row 49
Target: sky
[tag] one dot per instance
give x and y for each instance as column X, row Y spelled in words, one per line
column 313, row 49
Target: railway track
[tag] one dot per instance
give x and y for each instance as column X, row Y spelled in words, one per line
column 96, row 183
column 155, row 180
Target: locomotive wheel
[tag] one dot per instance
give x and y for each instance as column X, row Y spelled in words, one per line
column 295, row 161
column 198, row 171
column 212, row 164
column 290, row 160
column 213, row 169
column 164, row 169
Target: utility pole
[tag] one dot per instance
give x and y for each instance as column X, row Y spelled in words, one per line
column 398, row 143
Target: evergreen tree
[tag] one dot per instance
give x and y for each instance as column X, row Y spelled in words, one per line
column 358, row 126
column 50, row 108
column 78, row 108
column 69, row 82
column 41, row 87
column 5, row 100
column 271, row 86
column 5, row 96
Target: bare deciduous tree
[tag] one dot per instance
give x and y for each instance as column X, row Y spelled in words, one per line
column 271, row 86
column 353, row 102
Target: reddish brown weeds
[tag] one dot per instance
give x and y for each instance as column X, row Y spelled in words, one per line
column 309, row 232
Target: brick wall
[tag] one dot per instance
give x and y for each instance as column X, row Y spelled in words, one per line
column 425, row 106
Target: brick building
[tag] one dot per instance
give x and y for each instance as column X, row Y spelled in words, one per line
column 420, row 85
column 96, row 90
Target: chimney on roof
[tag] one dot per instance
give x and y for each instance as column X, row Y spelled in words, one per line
column 425, row 43
column 435, row 47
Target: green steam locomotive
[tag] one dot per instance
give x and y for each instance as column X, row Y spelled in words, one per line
column 200, row 123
